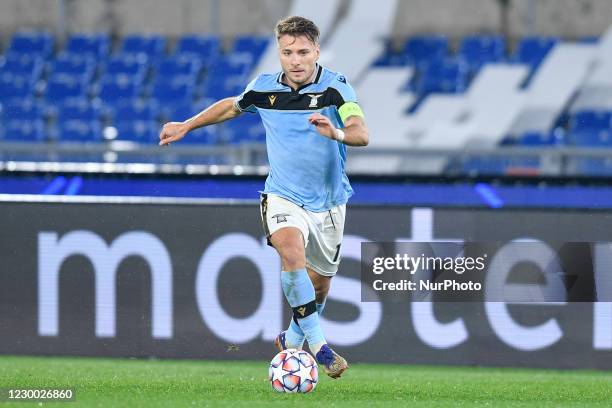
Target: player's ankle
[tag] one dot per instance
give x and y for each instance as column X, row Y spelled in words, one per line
column 291, row 345
column 314, row 348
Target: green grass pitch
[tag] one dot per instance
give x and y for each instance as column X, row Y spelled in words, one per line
column 171, row 383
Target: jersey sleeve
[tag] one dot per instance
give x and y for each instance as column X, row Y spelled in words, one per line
column 245, row 101
column 346, row 99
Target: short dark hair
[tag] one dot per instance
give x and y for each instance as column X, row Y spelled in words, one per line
column 296, row 26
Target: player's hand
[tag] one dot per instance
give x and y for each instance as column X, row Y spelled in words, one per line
column 323, row 125
column 172, row 132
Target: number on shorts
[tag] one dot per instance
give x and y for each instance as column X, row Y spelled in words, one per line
column 337, row 252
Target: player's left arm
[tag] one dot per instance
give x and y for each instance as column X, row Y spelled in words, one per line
column 354, row 132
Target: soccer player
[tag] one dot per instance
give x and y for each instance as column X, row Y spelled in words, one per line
column 310, row 115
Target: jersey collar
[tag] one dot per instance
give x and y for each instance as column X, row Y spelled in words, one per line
column 317, row 79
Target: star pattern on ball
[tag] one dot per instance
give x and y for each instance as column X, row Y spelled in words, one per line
column 304, row 372
column 278, row 373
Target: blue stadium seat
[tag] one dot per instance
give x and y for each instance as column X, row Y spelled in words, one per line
column 61, row 87
column 247, row 128
column 229, row 66
column 32, row 43
column 203, row 103
column 23, row 65
column 139, row 131
column 114, row 89
column 15, row 87
column 252, row 44
column 591, row 138
column 78, row 109
column 90, row 45
column 72, row 65
column 177, row 110
column 136, row 110
column 445, row 76
column 176, row 89
column 24, row 110
column 186, row 109
column 591, row 119
column 182, row 111
column 478, row 50
column 86, row 131
column 218, row 88
column 209, row 135
column 206, row 48
column 24, row 130
column 390, row 56
column 425, row 49
column 532, row 50
column 562, row 121
column 151, row 45
column 537, row 139
column 136, row 66
column 178, row 66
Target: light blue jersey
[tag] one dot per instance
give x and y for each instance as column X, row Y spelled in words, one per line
column 305, row 167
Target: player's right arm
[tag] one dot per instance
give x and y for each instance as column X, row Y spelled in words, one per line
column 220, row 111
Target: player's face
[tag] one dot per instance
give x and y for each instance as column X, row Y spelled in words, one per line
column 298, row 58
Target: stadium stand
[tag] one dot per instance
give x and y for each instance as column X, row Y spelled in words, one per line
column 88, row 45
column 477, row 50
column 419, row 93
column 31, row 43
column 150, row 45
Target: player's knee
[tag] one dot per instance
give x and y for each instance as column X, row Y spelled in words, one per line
column 320, row 295
column 293, row 259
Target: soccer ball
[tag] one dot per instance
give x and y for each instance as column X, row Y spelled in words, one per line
column 293, row 370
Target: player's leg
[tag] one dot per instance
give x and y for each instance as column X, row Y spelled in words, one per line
column 294, row 332
column 288, row 232
column 297, row 286
column 289, row 244
column 321, row 285
column 323, row 258
column 276, row 215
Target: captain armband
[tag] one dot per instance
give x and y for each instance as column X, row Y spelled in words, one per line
column 349, row 109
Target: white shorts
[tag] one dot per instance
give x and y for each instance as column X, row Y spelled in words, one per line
column 322, row 231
